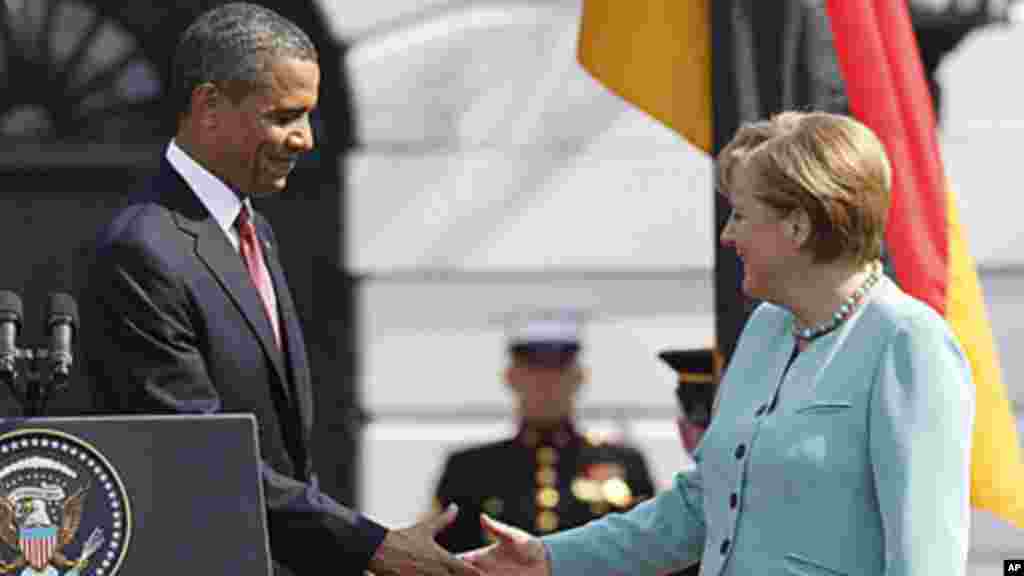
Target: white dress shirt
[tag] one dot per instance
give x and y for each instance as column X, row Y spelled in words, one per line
column 222, row 203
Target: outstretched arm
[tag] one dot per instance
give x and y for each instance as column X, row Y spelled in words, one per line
column 412, row 550
column 515, row 552
column 663, row 534
column 143, row 341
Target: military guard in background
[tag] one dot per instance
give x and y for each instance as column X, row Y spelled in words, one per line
column 696, row 384
column 550, row 476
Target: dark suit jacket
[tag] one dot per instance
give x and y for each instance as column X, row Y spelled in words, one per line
column 172, row 324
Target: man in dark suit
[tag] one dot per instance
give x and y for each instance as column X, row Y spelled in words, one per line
column 187, row 309
column 549, row 476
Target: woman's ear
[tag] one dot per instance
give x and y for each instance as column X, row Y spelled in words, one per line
column 799, row 227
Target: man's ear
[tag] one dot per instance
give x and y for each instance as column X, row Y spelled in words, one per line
column 206, row 103
column 580, row 377
column 507, row 377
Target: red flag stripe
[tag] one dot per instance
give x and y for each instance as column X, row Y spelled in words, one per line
column 886, row 86
column 885, row 82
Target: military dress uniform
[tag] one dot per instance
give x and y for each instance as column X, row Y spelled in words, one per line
column 540, row 481
column 696, row 386
column 697, row 383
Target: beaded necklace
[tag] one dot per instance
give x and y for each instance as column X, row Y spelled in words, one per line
column 845, row 310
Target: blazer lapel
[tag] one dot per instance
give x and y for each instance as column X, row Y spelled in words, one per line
column 292, row 330
column 214, row 250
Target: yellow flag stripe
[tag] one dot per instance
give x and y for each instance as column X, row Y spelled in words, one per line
column 997, row 474
column 657, row 56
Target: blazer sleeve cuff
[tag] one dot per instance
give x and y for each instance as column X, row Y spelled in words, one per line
column 372, row 534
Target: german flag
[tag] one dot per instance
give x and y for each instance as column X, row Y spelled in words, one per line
column 702, row 68
column 886, row 86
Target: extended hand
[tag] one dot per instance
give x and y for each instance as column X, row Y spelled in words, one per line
column 515, row 552
column 412, row 550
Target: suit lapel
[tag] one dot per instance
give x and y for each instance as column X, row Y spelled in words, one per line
column 225, row 264
column 292, row 331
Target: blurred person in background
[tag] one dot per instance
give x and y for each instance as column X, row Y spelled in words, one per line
column 550, row 476
column 696, row 385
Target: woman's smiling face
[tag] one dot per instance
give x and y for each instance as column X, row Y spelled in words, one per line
column 757, row 232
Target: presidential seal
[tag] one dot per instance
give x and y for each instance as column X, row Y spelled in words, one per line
column 63, row 508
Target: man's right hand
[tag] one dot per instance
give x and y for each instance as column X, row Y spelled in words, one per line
column 412, row 550
column 515, row 552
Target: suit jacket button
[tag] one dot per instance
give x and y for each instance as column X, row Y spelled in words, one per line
column 740, row 451
column 725, row 546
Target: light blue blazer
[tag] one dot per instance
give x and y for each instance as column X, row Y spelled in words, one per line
column 861, row 469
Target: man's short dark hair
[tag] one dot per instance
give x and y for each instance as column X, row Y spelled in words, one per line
column 229, row 45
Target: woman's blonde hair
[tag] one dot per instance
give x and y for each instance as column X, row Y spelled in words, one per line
column 831, row 167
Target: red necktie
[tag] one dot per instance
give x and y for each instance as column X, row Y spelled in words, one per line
column 249, row 246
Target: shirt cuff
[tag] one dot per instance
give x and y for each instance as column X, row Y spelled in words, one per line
column 373, row 534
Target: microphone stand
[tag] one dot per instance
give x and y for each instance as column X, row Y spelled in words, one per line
column 38, row 389
column 9, row 373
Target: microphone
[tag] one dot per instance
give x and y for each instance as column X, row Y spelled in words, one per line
column 61, row 322
column 10, row 324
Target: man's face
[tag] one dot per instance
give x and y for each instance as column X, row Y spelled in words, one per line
column 545, row 390
column 260, row 138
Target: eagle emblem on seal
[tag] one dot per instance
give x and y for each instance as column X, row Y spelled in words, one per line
column 38, row 542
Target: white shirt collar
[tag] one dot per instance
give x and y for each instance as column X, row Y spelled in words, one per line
column 219, row 200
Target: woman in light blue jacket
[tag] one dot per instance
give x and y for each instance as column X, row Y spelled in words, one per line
column 841, row 442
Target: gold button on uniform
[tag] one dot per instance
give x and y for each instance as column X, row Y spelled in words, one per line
column 547, row 498
column 546, row 476
column 546, row 456
column 547, row 521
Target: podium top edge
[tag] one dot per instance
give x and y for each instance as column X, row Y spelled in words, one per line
column 131, row 418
